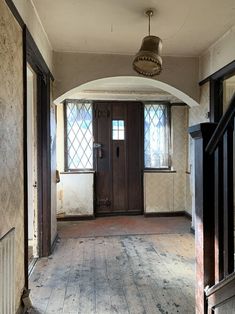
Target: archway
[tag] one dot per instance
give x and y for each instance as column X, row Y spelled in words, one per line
column 148, row 88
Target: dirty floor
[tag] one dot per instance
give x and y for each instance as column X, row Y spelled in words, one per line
column 123, row 225
column 145, row 273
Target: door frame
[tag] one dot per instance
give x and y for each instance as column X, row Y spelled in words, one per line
column 33, row 57
column 216, row 89
column 96, row 214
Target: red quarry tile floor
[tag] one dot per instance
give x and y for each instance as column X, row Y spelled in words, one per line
column 123, row 225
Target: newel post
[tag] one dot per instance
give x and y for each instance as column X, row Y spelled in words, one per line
column 204, row 212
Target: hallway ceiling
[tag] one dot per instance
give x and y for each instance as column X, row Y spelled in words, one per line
column 186, row 27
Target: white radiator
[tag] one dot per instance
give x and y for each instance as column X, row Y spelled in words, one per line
column 7, row 273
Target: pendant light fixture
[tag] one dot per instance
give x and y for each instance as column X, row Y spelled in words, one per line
column 148, row 61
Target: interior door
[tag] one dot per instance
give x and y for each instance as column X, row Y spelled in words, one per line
column 118, row 157
column 32, row 160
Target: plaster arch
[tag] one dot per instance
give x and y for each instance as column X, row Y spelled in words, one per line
column 136, row 81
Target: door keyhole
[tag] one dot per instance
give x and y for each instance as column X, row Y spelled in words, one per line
column 117, row 152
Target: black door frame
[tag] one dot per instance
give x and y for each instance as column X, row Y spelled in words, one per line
column 216, row 90
column 33, row 57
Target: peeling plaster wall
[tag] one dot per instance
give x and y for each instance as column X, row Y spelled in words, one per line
column 166, row 192
column 74, row 69
column 11, row 138
column 75, row 194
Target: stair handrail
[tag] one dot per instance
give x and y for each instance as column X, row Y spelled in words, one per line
column 222, row 127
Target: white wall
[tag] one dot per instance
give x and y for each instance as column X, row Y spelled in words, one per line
column 74, row 69
column 219, row 54
column 75, row 194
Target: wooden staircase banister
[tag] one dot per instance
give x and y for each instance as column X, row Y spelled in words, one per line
column 221, row 293
column 222, row 126
column 214, row 213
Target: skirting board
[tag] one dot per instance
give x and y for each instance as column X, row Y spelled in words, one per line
column 76, row 218
column 134, row 213
column 169, row 214
column 188, row 215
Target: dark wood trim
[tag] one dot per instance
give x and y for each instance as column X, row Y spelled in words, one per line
column 188, row 215
column 204, row 81
column 223, row 125
column 15, row 12
column 110, row 214
column 192, row 230
column 165, row 214
column 221, row 292
column 216, row 100
column 25, row 156
column 228, row 202
column 219, row 216
column 44, row 163
column 76, row 218
column 35, row 57
column 223, row 283
column 224, row 73
column 204, row 214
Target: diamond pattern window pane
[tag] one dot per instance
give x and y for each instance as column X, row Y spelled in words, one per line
column 79, row 135
column 156, row 136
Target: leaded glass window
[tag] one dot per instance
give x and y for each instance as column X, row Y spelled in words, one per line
column 79, row 135
column 156, row 136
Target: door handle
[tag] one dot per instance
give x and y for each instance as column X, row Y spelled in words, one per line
column 99, row 150
column 117, row 151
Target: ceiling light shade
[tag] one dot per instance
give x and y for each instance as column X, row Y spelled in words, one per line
column 148, row 61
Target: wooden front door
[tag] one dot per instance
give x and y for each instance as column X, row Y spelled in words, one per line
column 118, row 134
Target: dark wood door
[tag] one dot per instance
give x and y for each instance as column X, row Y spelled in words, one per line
column 118, row 134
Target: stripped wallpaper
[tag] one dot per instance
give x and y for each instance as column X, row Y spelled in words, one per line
column 11, row 138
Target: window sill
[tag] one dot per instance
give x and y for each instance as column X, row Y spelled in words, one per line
column 159, row 171
column 78, row 172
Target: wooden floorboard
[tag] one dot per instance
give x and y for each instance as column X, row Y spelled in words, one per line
column 117, row 274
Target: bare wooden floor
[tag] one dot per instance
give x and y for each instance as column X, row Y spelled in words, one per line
column 117, row 274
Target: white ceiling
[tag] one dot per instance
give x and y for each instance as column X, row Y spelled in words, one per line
column 187, row 27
